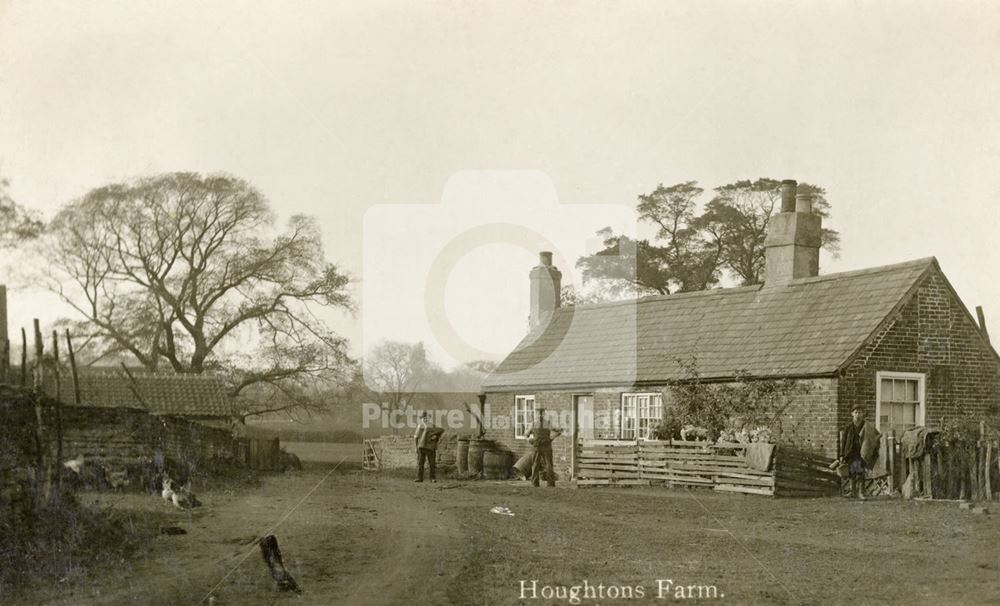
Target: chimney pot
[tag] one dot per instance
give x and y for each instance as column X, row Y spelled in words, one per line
column 545, row 258
column 788, row 187
column 804, row 203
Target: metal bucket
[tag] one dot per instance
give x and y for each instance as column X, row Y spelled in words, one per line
column 523, row 465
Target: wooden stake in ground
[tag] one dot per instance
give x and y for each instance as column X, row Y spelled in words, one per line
column 5, row 361
column 4, row 337
column 987, row 469
column 24, row 358
column 58, row 407
column 39, row 376
column 43, row 460
column 72, row 367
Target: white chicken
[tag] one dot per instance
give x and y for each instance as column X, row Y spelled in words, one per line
column 184, row 499
column 74, row 464
column 168, row 489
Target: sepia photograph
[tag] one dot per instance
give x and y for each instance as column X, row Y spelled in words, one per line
column 499, row 302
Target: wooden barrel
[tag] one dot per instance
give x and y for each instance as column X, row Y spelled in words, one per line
column 462, row 455
column 476, row 450
column 495, row 465
column 523, row 465
column 508, row 465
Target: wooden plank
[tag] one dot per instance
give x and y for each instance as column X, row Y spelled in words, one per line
column 609, row 474
column 730, row 445
column 785, row 459
column 702, row 460
column 734, row 488
column 783, row 484
column 607, row 457
column 802, row 495
column 678, row 481
column 801, row 454
column 587, row 443
column 741, row 479
column 779, row 464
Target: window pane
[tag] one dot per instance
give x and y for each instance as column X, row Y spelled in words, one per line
column 886, row 390
column 909, row 414
column 911, row 391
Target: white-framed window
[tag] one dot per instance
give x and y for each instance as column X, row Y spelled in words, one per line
column 899, row 401
column 640, row 413
column 524, row 416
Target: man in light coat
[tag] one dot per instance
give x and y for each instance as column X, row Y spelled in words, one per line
column 426, row 440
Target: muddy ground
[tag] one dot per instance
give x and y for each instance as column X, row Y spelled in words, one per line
column 358, row 538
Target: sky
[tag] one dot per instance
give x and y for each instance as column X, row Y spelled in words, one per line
column 403, row 126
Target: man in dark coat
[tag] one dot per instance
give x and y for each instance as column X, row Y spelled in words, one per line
column 541, row 438
column 860, row 449
column 426, row 439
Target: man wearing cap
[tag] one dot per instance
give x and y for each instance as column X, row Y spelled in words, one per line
column 860, row 449
column 426, row 439
column 541, row 438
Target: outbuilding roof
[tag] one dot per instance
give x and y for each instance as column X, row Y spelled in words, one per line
column 203, row 395
column 806, row 327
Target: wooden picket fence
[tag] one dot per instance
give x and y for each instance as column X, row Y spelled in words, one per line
column 967, row 471
column 721, row 467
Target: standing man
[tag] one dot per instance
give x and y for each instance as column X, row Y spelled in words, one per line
column 426, row 439
column 541, row 438
column 860, row 449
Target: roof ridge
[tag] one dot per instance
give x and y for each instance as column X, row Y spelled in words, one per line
column 739, row 289
column 867, row 271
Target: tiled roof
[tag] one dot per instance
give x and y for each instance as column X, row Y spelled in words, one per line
column 202, row 395
column 806, row 327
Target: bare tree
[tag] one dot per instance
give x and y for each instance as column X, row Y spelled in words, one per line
column 394, row 371
column 188, row 270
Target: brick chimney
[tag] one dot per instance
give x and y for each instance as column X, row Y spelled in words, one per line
column 793, row 238
column 546, row 284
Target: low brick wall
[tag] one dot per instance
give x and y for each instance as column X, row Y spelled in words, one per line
column 399, row 452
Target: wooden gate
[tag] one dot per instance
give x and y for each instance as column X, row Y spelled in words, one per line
column 262, row 454
column 371, row 459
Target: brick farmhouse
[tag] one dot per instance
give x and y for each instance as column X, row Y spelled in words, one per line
column 896, row 339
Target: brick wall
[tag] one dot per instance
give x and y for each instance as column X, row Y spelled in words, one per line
column 809, row 422
column 933, row 335
column 133, row 434
column 399, row 452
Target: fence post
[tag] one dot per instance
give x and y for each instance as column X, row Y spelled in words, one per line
column 72, row 367
column 986, row 470
column 24, row 358
column 58, row 407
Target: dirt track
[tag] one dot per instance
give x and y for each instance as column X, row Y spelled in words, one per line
column 370, row 539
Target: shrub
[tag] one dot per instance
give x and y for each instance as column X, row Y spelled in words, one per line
column 747, row 408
